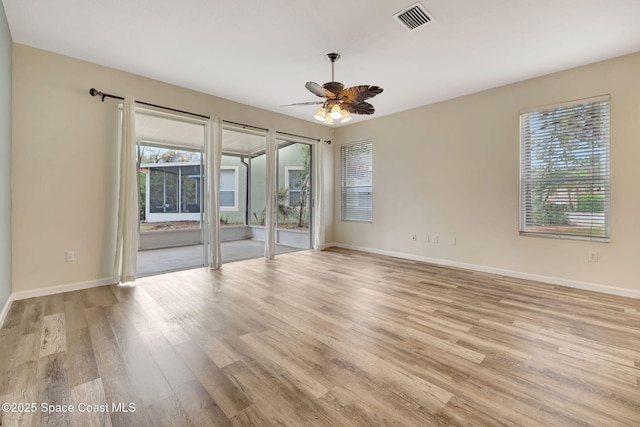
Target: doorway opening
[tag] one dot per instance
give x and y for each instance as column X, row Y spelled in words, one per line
column 294, row 194
column 243, row 196
column 170, row 200
column 169, row 156
column 171, row 165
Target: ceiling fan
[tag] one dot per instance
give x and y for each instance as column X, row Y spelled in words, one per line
column 339, row 102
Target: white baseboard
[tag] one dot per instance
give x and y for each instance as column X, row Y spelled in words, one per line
column 5, row 310
column 41, row 292
column 631, row 293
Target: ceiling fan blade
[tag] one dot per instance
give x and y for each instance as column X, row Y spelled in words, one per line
column 316, row 89
column 304, row 103
column 360, row 93
column 359, row 108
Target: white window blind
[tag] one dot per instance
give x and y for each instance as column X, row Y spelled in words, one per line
column 357, row 181
column 564, row 168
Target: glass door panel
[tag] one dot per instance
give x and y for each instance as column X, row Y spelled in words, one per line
column 171, row 220
column 242, row 194
column 293, row 229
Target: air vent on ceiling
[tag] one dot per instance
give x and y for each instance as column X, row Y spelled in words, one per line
column 414, row 17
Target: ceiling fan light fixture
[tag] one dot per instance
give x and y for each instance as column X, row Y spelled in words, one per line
column 321, row 114
column 339, row 103
column 336, row 112
column 345, row 116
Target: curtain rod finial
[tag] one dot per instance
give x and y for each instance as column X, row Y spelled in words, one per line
column 94, row 92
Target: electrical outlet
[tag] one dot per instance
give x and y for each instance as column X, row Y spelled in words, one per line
column 427, row 238
column 593, row 256
column 69, row 256
column 434, row 239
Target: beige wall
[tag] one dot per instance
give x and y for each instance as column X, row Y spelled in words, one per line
column 452, row 169
column 63, row 157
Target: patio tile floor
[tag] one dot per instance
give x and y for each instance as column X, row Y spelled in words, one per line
column 155, row 261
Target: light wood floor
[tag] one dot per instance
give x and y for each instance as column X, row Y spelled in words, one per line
column 332, row 338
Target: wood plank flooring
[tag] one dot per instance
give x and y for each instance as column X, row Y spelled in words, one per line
column 333, row 338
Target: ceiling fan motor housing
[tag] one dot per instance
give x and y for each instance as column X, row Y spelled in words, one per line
column 333, row 87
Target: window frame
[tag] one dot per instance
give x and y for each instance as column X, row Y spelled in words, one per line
column 603, row 168
column 236, row 189
column 287, row 183
column 345, row 214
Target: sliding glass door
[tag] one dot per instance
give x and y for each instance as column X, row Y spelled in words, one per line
column 171, row 177
column 242, row 193
column 294, row 214
column 173, row 225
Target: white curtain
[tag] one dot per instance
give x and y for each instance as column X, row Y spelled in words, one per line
column 213, row 156
column 125, row 264
column 269, row 217
column 318, row 192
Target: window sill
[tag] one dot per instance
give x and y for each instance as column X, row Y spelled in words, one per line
column 565, row 237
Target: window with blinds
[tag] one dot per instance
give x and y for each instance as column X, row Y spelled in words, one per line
column 357, row 181
column 564, row 169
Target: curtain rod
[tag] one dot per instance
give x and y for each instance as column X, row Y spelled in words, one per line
column 301, row 137
column 102, row 95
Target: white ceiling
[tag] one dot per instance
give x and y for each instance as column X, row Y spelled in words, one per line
column 261, row 53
